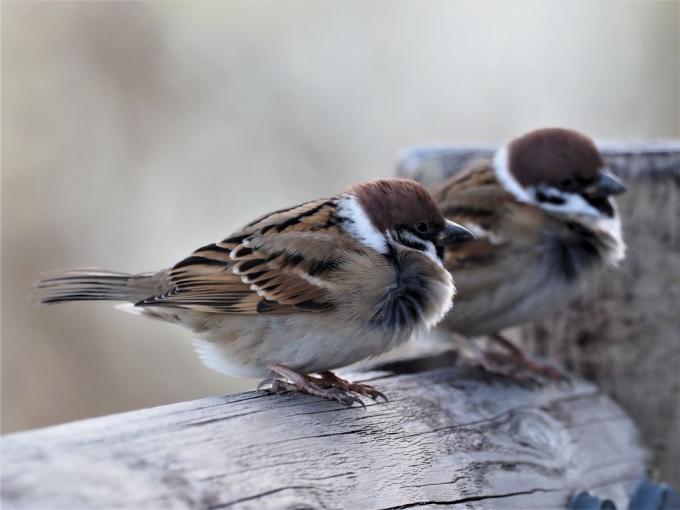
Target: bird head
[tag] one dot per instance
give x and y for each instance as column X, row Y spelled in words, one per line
column 385, row 212
column 559, row 170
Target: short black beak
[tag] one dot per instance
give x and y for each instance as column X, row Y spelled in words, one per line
column 454, row 234
column 606, row 185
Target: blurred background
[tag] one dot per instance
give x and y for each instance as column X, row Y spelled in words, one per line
column 135, row 132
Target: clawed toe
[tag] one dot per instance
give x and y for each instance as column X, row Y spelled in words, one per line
column 366, row 390
column 513, row 362
column 331, row 380
column 332, row 393
column 344, row 397
column 264, row 383
column 317, row 386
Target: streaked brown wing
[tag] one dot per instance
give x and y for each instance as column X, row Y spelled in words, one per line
column 316, row 215
column 473, row 197
column 276, row 264
column 506, row 229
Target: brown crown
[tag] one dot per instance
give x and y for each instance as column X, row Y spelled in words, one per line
column 397, row 202
column 551, row 155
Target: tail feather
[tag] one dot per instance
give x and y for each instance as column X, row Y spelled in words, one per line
column 92, row 285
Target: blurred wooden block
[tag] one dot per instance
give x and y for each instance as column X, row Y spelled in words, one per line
column 624, row 332
column 449, row 436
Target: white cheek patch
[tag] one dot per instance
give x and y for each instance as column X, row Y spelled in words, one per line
column 507, row 180
column 430, row 249
column 358, row 225
column 572, row 203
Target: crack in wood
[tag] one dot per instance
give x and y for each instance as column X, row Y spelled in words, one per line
column 263, row 494
column 339, row 475
column 469, row 499
column 450, row 482
column 345, row 408
column 292, row 439
column 250, row 470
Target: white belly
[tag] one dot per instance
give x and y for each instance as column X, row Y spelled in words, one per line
column 248, row 346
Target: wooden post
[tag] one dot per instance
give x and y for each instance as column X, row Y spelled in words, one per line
column 624, row 332
column 449, row 436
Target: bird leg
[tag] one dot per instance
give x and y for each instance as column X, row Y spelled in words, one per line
column 516, row 354
column 330, row 379
column 305, row 384
column 513, row 363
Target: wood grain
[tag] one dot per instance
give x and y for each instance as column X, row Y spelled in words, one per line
column 450, row 437
column 624, row 332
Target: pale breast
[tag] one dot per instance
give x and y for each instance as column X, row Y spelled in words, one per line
column 418, row 296
column 305, row 343
column 519, row 283
column 533, row 296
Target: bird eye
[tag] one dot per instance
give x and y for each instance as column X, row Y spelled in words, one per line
column 422, row 227
column 567, row 182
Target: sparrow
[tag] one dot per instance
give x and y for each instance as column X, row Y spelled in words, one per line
column 300, row 291
column 544, row 219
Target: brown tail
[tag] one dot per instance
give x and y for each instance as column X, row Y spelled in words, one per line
column 93, row 285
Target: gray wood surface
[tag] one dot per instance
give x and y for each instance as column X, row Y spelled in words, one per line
column 624, row 332
column 451, row 437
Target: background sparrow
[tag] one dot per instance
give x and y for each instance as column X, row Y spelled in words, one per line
column 544, row 217
column 301, row 290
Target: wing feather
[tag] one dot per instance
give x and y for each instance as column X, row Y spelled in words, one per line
column 276, row 264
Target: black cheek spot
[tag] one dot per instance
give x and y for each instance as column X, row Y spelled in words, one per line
column 542, row 197
column 602, row 204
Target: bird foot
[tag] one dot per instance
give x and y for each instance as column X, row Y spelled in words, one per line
column 518, row 366
column 330, row 379
column 513, row 362
column 295, row 382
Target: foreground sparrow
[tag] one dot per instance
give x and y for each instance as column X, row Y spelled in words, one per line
column 301, row 290
column 544, row 219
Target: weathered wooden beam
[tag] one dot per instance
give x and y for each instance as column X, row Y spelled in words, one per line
column 449, row 437
column 624, row 332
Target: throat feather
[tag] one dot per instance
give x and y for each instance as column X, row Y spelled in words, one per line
column 575, row 254
column 404, row 303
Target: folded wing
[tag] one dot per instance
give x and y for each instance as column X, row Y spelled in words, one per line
column 283, row 262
